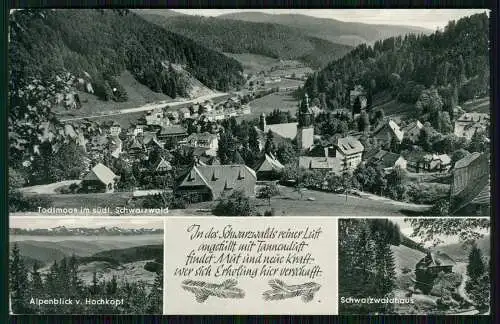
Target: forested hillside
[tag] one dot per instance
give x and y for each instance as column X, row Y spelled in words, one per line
column 273, row 40
column 54, row 53
column 366, row 262
column 341, row 32
column 64, row 278
column 100, row 44
column 441, row 69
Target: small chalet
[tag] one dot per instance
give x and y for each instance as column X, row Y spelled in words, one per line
column 427, row 269
column 268, row 168
column 99, row 179
column 184, row 113
column 412, row 131
column 387, row 131
column 330, row 164
column 115, row 129
column 138, row 129
column 423, row 162
column 210, row 182
column 436, row 162
column 157, row 117
column 388, row 160
column 115, row 146
column 162, row 166
column 150, row 141
column 135, row 147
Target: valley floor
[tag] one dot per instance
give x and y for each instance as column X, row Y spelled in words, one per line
column 287, row 203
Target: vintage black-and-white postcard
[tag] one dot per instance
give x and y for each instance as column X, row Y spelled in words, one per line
column 153, row 148
column 290, row 113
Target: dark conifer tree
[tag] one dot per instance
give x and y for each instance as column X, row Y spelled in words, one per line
column 475, row 266
column 18, row 282
column 478, row 284
column 384, row 265
column 269, row 146
column 155, row 297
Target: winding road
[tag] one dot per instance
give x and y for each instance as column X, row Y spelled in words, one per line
column 150, row 106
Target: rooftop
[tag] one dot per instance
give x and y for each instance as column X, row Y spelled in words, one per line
column 220, row 178
column 415, row 124
column 388, row 159
column 325, row 163
column 349, row 145
column 393, row 126
column 100, row 173
column 172, row 130
column 269, row 163
column 288, row 130
column 444, row 158
column 474, row 117
column 464, row 162
column 201, row 136
column 435, row 259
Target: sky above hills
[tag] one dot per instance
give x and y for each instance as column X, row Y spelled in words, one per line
column 406, row 229
column 136, row 222
column 426, row 18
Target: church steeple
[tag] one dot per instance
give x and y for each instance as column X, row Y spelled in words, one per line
column 305, row 116
column 305, row 129
column 262, row 122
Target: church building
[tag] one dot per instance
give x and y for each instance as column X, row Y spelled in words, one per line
column 305, row 126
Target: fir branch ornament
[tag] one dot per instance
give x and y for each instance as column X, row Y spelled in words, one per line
column 282, row 291
column 202, row 290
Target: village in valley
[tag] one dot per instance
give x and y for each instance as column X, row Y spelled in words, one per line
column 203, row 153
column 357, row 148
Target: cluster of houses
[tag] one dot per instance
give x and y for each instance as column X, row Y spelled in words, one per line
column 347, row 153
column 161, row 130
column 205, row 111
column 470, row 123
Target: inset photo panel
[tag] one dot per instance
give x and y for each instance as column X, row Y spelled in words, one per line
column 178, row 115
column 251, row 266
column 86, row 265
column 422, row 266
